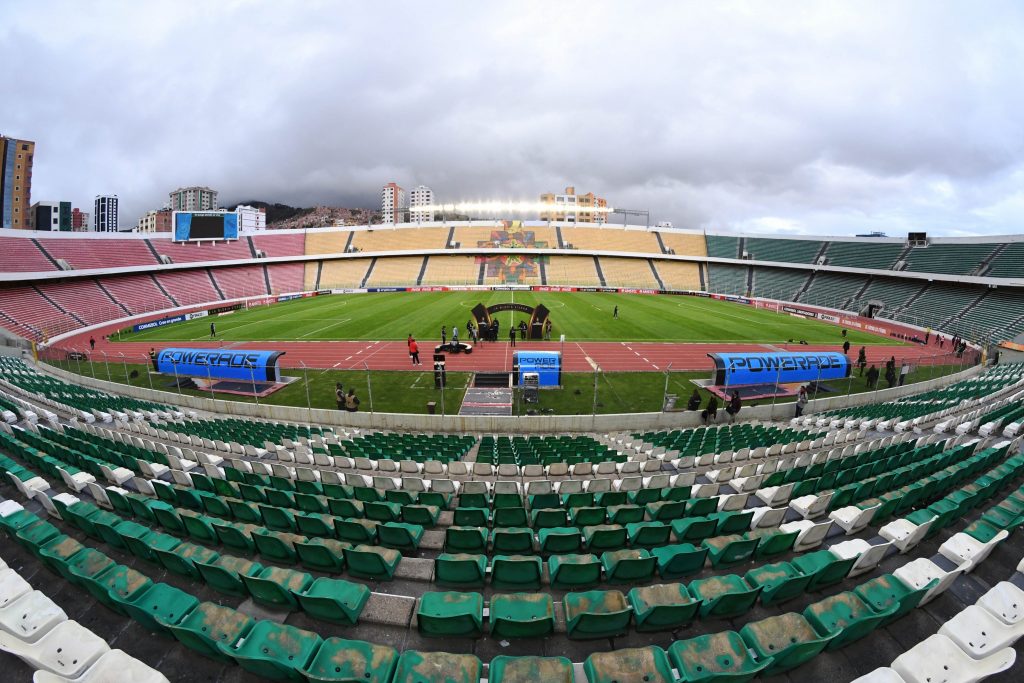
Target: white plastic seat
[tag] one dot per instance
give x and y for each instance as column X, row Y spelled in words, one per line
column 457, row 468
column 979, row 633
column 767, row 518
column 732, row 502
column 177, row 463
column 581, row 469
column 963, row 548
column 812, row 505
column 31, row 616
column 882, row 674
column 868, row 556
column 939, row 659
column 12, row 587
column 67, row 649
column 508, row 470
column 114, row 665
column 905, row 535
column 76, row 481
column 774, row 496
column 922, row 571
column 810, row 534
column 558, row 470
column 1005, row 601
column 433, row 467
column 99, row 494
column 746, row 484
column 387, row 465
column 852, row 519
column 481, row 469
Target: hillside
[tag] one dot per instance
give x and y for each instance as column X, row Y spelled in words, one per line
column 284, row 217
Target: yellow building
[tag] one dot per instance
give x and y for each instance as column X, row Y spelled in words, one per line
column 574, row 208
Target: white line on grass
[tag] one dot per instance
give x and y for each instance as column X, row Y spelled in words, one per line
column 321, row 329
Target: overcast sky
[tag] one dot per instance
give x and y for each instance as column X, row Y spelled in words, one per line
column 799, row 117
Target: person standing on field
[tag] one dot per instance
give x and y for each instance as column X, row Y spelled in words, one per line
column 846, row 347
column 615, row 313
column 444, row 334
column 213, row 330
column 414, row 351
column 862, row 359
column 512, row 335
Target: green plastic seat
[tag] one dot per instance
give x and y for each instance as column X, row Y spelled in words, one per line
column 560, row 540
column 789, row 639
column 277, row 545
column 715, row 658
column 778, row 582
column 344, row 507
column 662, row 607
column 159, row 606
column 648, row 534
column 512, row 540
column 167, row 517
column 886, row 591
column 605, row 537
column 277, row 519
column 86, row 565
column 34, row 536
column 548, row 518
column 516, row 572
column 701, row 507
column 693, row 529
column 666, row 510
column 596, row 614
column 724, row 596
column 737, row 522
column 236, row 535
column 334, row 600
column 574, row 571
column 522, row 615
column 465, row 539
column 315, row 524
column 625, row 514
column 511, row 517
column 226, row 571
column 199, row 527
column 648, row 664
column 451, row 614
column 471, row 517
column 772, row 542
column 244, row 511
column 844, row 618
column 274, row 651
column 383, row 512
column 356, row 530
column 823, row 567
column 322, row 554
column 338, row 659
column 679, row 560
column 730, row 550
column 182, row 558
column 58, row 551
column 461, row 570
column 628, row 566
column 421, row 515
column 400, row 535
column 437, row 667
column 588, row 516
column 276, row 586
column 117, row 585
column 209, row 624
column 506, row 669
column 372, row 562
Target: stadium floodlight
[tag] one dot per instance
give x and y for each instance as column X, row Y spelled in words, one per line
column 498, row 207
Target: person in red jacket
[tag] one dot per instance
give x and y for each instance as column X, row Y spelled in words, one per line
column 414, row 351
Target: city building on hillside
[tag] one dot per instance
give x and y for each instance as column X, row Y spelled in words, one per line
column 193, row 199
column 104, row 215
column 421, row 196
column 16, row 182
column 155, row 221
column 52, row 216
column 392, row 204
column 251, row 218
column 80, row 220
column 574, row 208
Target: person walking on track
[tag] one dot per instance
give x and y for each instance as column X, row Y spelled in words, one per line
column 414, row 351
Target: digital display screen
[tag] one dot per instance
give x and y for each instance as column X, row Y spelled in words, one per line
column 207, row 227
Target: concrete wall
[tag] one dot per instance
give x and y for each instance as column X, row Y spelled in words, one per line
column 489, row 424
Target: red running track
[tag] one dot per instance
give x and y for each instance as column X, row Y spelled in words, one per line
column 576, row 357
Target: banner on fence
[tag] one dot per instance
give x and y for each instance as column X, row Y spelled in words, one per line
column 240, row 364
column 767, row 368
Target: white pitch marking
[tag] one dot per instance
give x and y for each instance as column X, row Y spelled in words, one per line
column 320, row 329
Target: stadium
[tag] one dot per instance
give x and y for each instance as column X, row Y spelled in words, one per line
column 186, row 496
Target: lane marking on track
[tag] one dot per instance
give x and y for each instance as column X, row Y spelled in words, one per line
column 593, row 365
column 347, row 357
column 320, row 329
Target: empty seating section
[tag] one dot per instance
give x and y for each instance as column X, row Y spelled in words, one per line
column 83, row 298
column 340, row 273
column 194, row 252
column 411, row 239
column 326, row 242
column 864, row 253
column 952, row 259
column 35, row 316
column 794, row 251
column 100, row 253
column 137, row 293
column 724, row 279
column 536, row 450
column 831, row 289
column 572, row 270
column 538, row 237
column 685, row 244
column 292, row 243
column 627, row 272
column 21, row 255
column 939, row 302
column 1010, row 263
column 723, row 246
column 679, row 275
column 240, row 281
column 395, row 270
column 611, row 239
column 451, row 270
column 188, row 286
column 892, row 292
column 285, row 277
column 992, row 316
column 723, row 438
column 779, row 283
